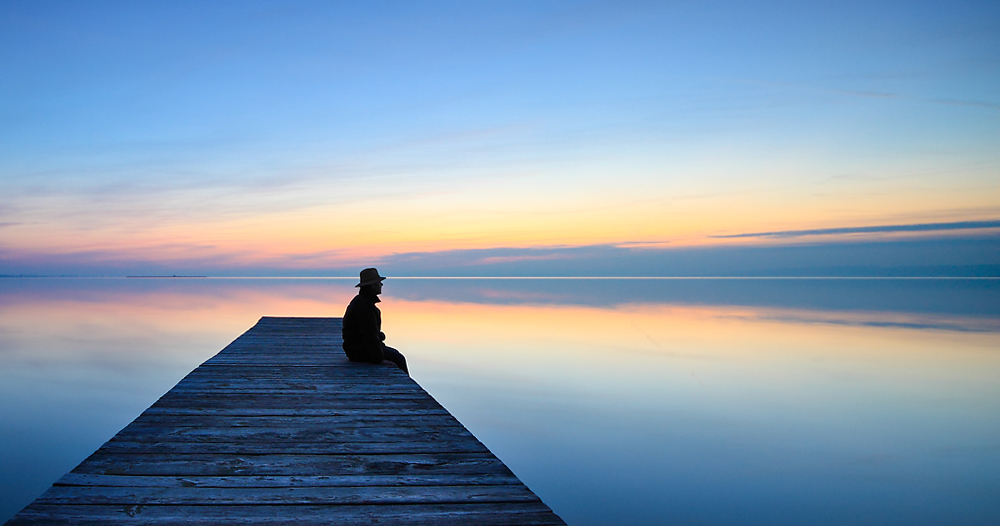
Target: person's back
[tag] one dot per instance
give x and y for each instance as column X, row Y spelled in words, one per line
column 362, row 326
column 362, row 329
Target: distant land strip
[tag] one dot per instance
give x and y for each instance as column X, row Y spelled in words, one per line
column 608, row 278
column 514, row 278
column 922, row 227
column 174, row 276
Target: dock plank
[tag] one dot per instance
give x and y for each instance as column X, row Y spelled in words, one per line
column 486, row 514
column 265, row 481
column 242, row 496
column 300, row 465
column 279, row 428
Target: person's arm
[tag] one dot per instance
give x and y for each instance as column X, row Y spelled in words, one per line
column 371, row 337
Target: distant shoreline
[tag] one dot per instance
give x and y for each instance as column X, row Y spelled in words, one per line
column 174, row 276
column 515, row 278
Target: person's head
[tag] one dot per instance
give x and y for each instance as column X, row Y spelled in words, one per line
column 370, row 282
column 372, row 290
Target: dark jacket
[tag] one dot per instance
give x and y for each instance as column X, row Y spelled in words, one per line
column 363, row 330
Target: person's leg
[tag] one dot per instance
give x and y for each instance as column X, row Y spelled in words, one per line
column 397, row 358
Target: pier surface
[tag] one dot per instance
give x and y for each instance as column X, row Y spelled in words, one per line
column 279, row 428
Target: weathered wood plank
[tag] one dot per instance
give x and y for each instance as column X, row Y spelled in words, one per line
column 280, row 428
column 486, row 514
column 328, row 388
column 300, row 465
column 285, row 481
column 197, row 495
column 323, row 434
column 352, row 374
column 343, row 421
column 292, row 395
column 115, row 447
column 304, row 402
column 324, row 381
column 284, row 411
column 376, row 372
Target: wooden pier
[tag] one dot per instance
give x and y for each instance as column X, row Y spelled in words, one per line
column 279, row 428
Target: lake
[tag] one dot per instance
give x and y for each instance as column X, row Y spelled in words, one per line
column 617, row 401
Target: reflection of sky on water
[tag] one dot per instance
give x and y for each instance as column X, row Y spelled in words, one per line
column 941, row 296
column 693, row 401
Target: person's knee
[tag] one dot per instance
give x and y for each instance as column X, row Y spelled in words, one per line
column 396, row 357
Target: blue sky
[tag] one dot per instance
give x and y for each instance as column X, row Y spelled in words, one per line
column 315, row 136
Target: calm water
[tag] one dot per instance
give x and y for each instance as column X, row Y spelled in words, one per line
column 616, row 401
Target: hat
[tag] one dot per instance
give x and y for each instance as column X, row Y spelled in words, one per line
column 369, row 276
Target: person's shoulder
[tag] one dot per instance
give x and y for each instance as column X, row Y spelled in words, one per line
column 353, row 304
column 360, row 300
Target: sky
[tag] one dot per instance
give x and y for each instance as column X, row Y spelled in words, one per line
column 500, row 138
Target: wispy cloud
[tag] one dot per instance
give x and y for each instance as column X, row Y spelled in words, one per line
column 922, row 227
column 973, row 103
column 517, row 259
column 872, row 94
column 642, row 244
column 869, row 94
column 886, row 320
column 961, row 255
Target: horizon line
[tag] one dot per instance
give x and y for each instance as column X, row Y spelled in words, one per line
column 526, row 277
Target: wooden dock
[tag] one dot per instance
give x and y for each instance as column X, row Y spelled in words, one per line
column 279, row 428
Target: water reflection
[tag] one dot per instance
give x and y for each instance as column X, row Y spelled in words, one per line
column 968, row 297
column 638, row 402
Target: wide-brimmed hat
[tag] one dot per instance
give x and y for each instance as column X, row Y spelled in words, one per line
column 369, row 276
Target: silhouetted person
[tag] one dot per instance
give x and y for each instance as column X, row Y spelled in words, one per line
column 362, row 331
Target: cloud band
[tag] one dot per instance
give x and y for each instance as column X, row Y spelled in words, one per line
column 923, row 227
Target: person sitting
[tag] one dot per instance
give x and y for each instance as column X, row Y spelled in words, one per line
column 362, row 332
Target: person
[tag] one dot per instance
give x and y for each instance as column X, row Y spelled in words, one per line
column 362, row 330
